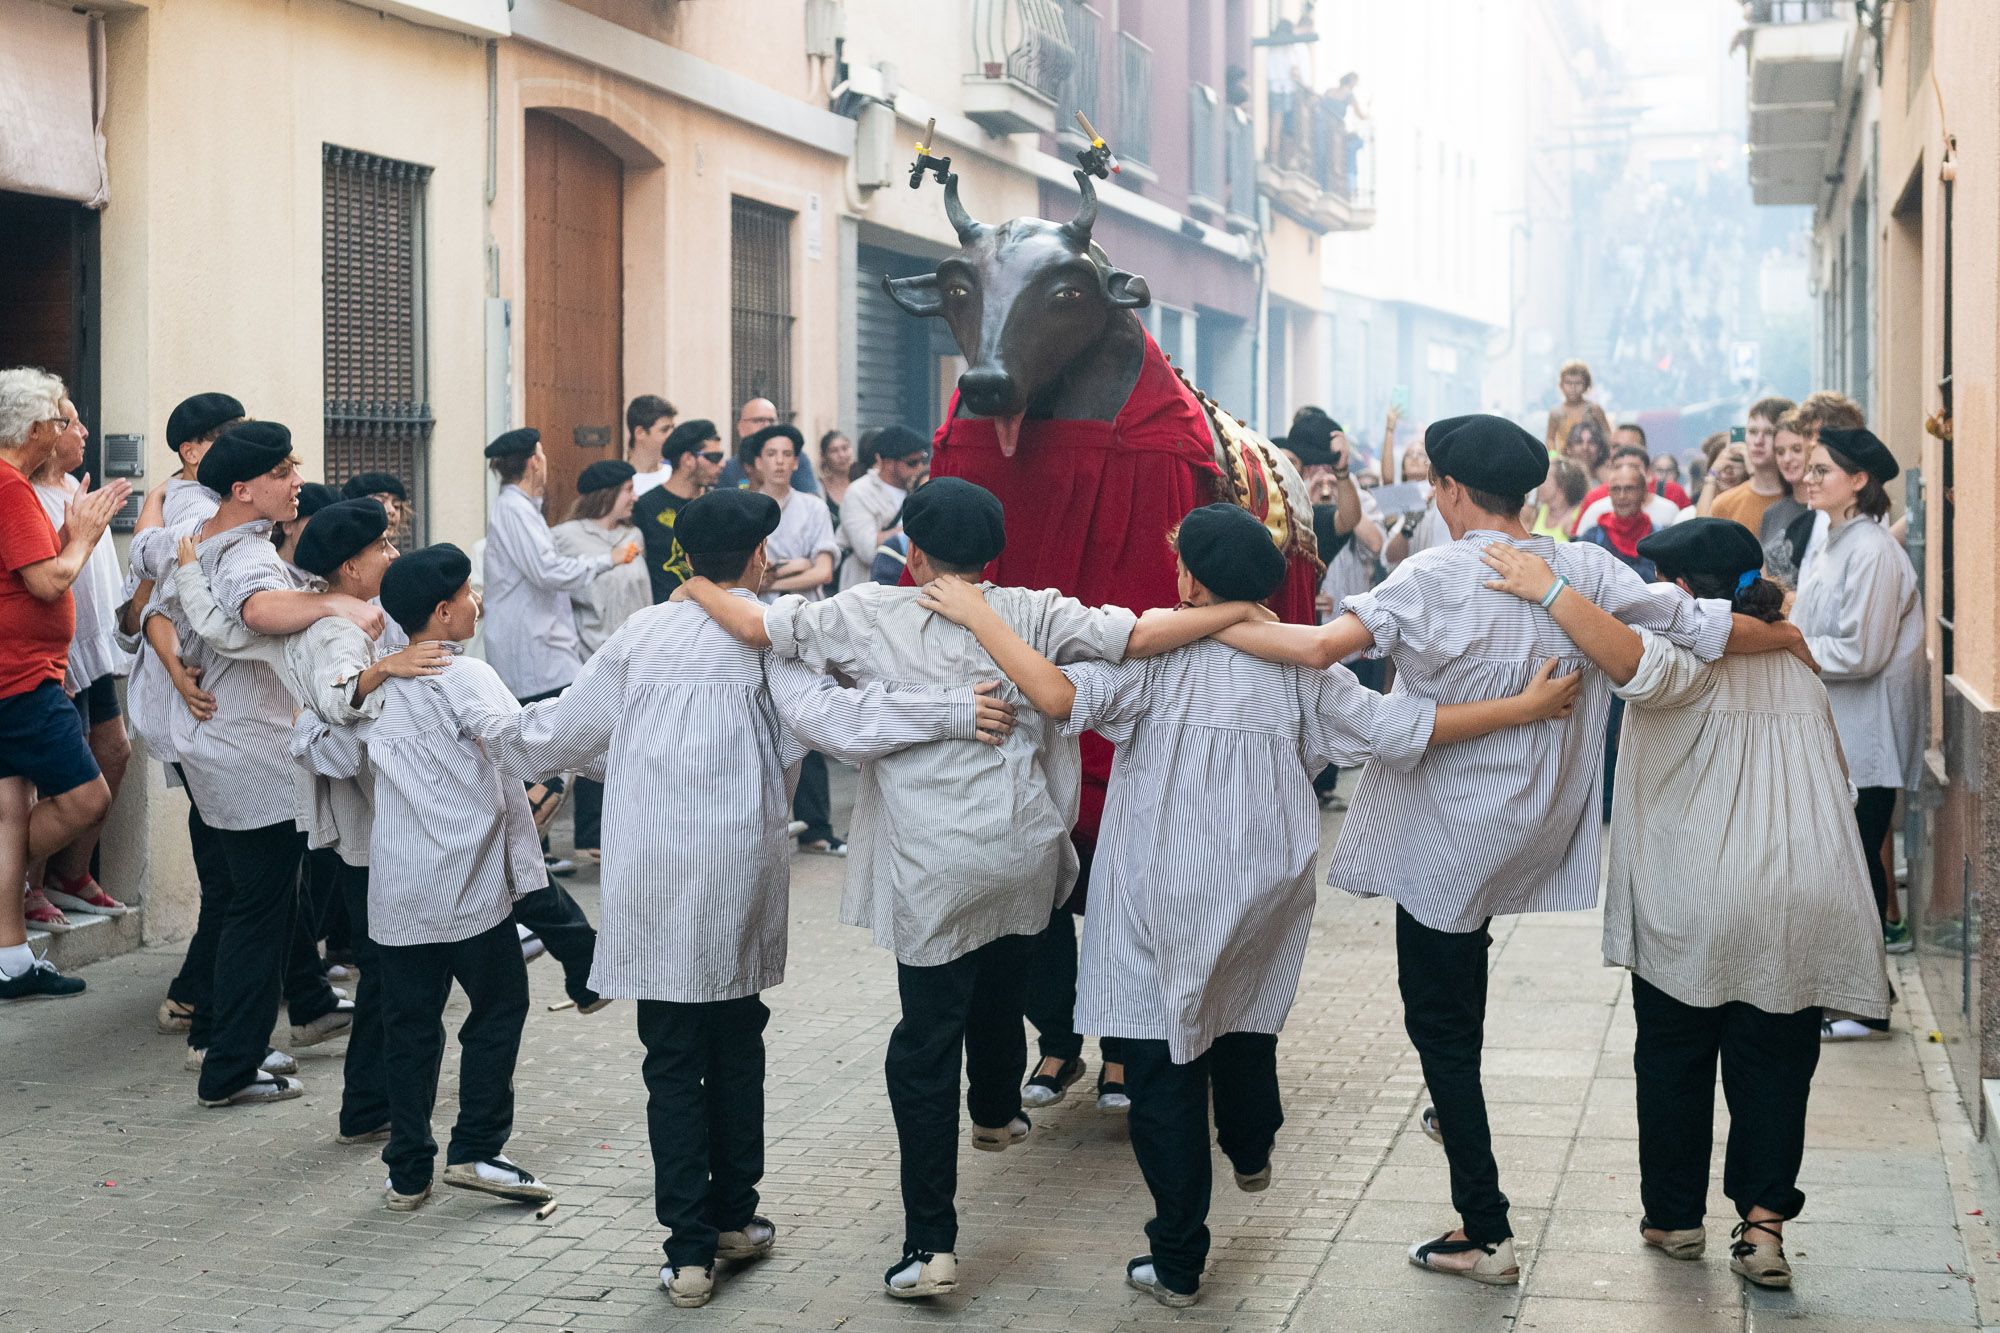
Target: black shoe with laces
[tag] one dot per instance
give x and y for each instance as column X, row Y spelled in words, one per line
column 40, row 982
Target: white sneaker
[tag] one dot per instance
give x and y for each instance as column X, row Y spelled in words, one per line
column 1492, row 1265
column 921, row 1273
column 688, row 1287
column 1002, row 1138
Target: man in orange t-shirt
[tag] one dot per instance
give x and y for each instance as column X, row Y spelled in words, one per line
column 1746, row 503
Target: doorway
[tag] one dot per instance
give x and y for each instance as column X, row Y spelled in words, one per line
column 49, row 289
column 573, row 307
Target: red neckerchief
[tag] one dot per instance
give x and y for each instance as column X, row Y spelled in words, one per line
column 1625, row 533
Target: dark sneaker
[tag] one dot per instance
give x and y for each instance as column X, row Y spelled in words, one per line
column 1896, row 938
column 40, row 982
column 1140, row 1275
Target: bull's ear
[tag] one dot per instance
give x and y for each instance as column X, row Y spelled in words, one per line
column 1128, row 291
column 918, row 296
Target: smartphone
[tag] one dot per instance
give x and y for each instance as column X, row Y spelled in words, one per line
column 1736, row 434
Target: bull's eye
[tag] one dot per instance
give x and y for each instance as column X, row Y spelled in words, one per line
column 958, row 291
column 1069, row 294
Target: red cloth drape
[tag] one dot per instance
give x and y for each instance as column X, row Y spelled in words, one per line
column 1089, row 506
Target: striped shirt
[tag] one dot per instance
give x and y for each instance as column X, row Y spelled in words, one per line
column 530, row 630
column 954, row 845
column 1508, row 822
column 1201, row 893
column 615, row 595
column 150, row 698
column 322, row 663
column 696, row 733
column 804, row 532
column 453, row 842
column 238, row 763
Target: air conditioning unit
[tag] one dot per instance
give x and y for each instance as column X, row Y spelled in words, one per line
column 875, row 146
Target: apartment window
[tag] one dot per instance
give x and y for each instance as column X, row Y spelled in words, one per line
column 372, row 287
column 760, row 304
column 1135, row 99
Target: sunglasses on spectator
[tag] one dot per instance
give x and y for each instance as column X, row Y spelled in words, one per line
column 714, row 455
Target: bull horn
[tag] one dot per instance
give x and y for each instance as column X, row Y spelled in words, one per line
column 1078, row 228
column 961, row 221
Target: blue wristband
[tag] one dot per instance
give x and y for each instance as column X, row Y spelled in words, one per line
column 1555, row 591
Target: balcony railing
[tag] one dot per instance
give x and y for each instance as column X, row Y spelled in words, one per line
column 1079, row 90
column 1021, row 60
column 1134, row 131
column 1205, row 144
column 1240, row 151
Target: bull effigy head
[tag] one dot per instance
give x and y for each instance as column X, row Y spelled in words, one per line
column 1025, row 300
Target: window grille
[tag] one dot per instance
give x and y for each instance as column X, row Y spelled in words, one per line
column 1135, row 99
column 378, row 412
column 760, row 304
column 1079, row 90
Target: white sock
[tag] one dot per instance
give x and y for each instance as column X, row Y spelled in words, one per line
column 16, row 959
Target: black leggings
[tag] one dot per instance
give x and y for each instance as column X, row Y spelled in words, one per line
column 1875, row 812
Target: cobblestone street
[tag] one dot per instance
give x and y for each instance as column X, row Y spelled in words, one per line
column 131, row 1208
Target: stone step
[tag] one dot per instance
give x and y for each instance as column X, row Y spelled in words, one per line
column 89, row 939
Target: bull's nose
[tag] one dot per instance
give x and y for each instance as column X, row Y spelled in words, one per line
column 987, row 392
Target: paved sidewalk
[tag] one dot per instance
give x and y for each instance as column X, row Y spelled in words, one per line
column 130, row 1208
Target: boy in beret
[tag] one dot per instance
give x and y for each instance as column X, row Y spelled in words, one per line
column 451, row 847
column 1482, row 810
column 1196, row 933
column 154, row 688
column 981, row 853
column 384, row 489
column 236, row 763
column 694, row 893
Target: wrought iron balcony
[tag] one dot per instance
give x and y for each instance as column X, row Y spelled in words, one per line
column 1021, row 61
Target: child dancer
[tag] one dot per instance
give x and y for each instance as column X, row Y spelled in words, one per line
column 1200, row 910
column 696, row 868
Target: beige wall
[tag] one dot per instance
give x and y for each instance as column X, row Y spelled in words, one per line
column 1966, row 50
column 683, row 165
column 216, row 114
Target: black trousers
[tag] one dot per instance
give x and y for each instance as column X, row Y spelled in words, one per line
column 552, row 914
column 250, row 951
column 1613, row 726
column 1767, row 1069
column 1049, row 997
column 416, row 981
column 308, row 995
column 971, row 1004
column 364, row 1095
column 587, row 809
column 1169, row 1124
column 812, row 802
column 1442, row 976
column 705, row 1118
column 1875, row 814
column 192, row 984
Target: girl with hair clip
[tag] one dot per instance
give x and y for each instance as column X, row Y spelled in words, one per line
column 1737, row 894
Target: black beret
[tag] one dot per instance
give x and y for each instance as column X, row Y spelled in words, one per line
column 1231, row 554
column 514, row 443
column 955, row 522
column 414, row 584
column 1861, row 448
column 898, row 442
column 726, row 521
column 1487, row 453
column 197, row 416
column 1312, row 440
column 606, row 474
column 754, row 446
column 314, row 497
column 688, row 438
column 338, row 533
column 243, row 453
column 373, row 483
column 1717, row 546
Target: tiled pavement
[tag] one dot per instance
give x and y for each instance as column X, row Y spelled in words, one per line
column 128, row 1207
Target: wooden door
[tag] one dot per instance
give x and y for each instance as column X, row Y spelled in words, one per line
column 573, row 324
